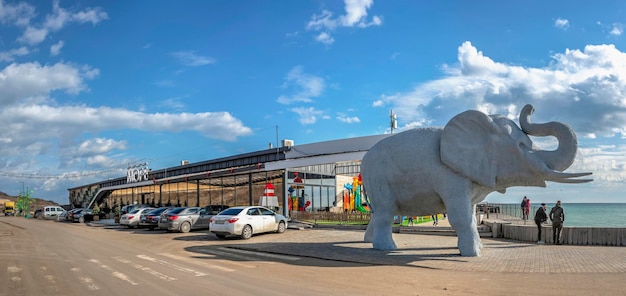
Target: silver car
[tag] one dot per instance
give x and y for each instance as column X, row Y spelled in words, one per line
column 131, row 220
column 184, row 219
column 246, row 221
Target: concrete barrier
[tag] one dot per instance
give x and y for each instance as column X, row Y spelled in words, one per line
column 600, row 236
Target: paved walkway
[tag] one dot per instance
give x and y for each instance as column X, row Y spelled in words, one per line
column 437, row 252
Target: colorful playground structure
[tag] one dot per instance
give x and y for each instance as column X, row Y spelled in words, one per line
column 353, row 199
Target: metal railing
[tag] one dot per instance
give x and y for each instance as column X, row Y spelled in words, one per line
column 506, row 212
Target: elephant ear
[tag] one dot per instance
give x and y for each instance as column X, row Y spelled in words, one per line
column 468, row 144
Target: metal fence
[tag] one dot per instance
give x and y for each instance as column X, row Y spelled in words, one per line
column 356, row 218
column 505, row 212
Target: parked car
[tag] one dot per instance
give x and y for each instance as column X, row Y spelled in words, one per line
column 129, row 208
column 50, row 212
column 184, row 219
column 38, row 214
column 62, row 217
column 82, row 215
column 215, row 209
column 70, row 214
column 246, row 221
column 150, row 219
column 131, row 220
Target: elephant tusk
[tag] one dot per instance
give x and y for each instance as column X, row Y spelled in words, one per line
column 560, row 177
column 573, row 181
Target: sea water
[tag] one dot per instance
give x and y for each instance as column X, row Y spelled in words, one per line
column 593, row 214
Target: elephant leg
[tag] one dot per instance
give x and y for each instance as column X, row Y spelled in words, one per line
column 369, row 231
column 462, row 219
column 380, row 228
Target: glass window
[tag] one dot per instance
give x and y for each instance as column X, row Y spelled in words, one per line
column 231, row 212
column 266, row 211
column 253, row 212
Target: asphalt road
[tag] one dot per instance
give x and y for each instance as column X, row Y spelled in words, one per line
column 54, row 258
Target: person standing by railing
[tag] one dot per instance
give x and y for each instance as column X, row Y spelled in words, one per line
column 540, row 217
column 525, row 205
column 557, row 216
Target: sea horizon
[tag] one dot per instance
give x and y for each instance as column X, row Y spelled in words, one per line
column 578, row 214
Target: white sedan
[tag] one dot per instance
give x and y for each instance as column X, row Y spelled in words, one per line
column 131, row 220
column 246, row 221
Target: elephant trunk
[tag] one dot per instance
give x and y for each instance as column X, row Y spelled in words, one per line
column 561, row 158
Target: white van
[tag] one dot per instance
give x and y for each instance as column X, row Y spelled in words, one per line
column 52, row 212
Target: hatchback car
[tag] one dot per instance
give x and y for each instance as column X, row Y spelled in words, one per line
column 151, row 218
column 246, row 221
column 131, row 220
column 184, row 219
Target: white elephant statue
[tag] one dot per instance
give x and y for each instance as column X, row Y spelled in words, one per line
column 425, row 171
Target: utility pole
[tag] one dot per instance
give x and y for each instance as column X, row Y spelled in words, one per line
column 393, row 124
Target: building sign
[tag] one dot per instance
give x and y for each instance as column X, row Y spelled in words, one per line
column 137, row 173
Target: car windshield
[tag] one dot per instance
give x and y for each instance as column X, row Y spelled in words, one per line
column 231, row 212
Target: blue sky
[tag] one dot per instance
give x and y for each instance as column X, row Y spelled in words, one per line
column 89, row 87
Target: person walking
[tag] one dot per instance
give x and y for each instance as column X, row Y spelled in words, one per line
column 540, row 217
column 557, row 216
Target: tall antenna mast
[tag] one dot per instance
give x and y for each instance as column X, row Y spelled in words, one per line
column 393, row 124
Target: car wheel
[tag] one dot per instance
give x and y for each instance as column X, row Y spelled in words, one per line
column 185, row 227
column 129, row 227
column 281, row 227
column 81, row 220
column 246, row 232
column 220, row 236
column 151, row 227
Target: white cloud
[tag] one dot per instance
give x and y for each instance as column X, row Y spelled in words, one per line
column 9, row 56
column 98, row 146
column 561, row 23
column 173, row 104
column 581, row 87
column 356, row 16
column 57, row 20
column 165, row 83
column 21, row 81
column 55, row 49
column 347, row 119
column 191, row 59
column 36, row 129
column 308, row 115
column 617, row 30
column 378, row 103
column 16, row 14
column 325, row 38
column 303, row 87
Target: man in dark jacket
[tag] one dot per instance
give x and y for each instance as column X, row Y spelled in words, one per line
column 557, row 216
column 540, row 217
